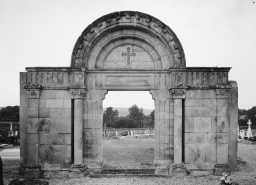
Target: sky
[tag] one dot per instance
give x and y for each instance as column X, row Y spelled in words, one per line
column 213, row 33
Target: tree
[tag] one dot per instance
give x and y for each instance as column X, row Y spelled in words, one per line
column 110, row 116
column 9, row 113
column 136, row 115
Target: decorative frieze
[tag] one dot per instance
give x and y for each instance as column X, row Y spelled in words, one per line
column 77, row 93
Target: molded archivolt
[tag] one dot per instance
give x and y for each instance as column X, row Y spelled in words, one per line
column 128, row 40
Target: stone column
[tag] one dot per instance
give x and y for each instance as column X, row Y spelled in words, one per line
column 78, row 95
column 178, row 95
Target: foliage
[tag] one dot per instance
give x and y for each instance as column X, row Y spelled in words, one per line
column 110, row 116
column 136, row 115
column 251, row 113
column 124, row 123
column 9, row 112
column 135, row 118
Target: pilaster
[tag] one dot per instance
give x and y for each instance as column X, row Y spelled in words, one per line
column 233, row 125
column 163, row 149
column 92, row 140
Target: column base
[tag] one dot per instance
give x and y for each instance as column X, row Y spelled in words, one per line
column 179, row 170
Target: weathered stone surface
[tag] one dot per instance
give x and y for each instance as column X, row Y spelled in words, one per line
column 55, row 154
column 62, row 125
column 222, row 124
column 54, row 103
column 46, row 125
column 44, row 113
column 214, row 124
column 32, row 125
column 212, row 138
column 195, row 138
column 67, row 103
column 42, row 103
column 202, row 94
column 222, row 138
column 62, row 94
column 222, row 111
column 32, row 103
column 189, row 124
column 32, row 139
column 32, row 153
column 48, row 94
column 56, row 113
column 222, row 154
column 193, row 153
column 32, row 112
column 202, row 124
column 55, row 139
column 209, row 153
column 222, row 102
column 197, row 111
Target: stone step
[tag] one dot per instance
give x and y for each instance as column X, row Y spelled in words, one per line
column 128, row 171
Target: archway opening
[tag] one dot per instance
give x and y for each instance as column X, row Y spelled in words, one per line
column 128, row 130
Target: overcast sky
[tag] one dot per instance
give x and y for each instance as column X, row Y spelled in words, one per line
column 212, row 32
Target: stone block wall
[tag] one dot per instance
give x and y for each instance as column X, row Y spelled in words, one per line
column 206, row 129
column 49, row 127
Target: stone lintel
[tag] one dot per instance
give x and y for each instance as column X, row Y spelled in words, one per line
column 77, row 93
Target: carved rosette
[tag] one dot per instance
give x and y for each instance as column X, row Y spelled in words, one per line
column 222, row 93
column 178, row 93
column 77, row 93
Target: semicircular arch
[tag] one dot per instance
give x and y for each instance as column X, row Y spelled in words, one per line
column 121, row 30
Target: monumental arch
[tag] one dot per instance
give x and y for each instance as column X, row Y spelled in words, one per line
column 61, row 109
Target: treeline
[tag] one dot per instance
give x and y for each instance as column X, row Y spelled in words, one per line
column 249, row 114
column 9, row 113
column 134, row 119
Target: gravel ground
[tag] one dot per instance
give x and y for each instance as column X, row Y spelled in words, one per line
column 245, row 176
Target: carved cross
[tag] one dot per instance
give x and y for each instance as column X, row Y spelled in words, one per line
column 128, row 54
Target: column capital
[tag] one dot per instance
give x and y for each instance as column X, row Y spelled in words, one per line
column 178, row 93
column 77, row 93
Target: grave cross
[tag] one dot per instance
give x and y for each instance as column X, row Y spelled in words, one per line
column 249, row 131
column 128, row 54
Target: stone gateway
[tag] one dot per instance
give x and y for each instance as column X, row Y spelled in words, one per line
column 61, row 112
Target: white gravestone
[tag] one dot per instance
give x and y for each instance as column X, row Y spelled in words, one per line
column 249, row 131
column 242, row 134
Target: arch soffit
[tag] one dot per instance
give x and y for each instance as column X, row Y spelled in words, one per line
column 128, row 28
